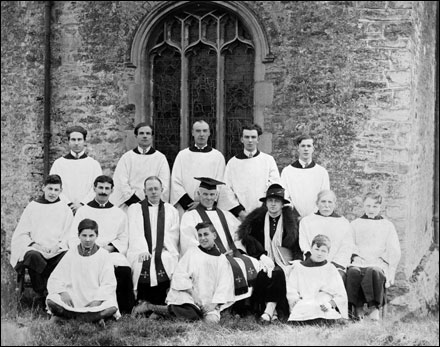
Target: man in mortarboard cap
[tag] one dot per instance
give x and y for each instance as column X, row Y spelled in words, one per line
column 199, row 159
column 243, row 267
column 77, row 170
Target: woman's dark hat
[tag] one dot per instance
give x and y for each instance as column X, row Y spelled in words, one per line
column 275, row 191
column 208, row 183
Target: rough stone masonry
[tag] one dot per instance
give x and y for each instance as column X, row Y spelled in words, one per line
column 359, row 75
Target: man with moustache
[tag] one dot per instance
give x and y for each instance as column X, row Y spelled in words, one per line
column 113, row 237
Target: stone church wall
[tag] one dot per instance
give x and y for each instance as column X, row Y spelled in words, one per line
column 358, row 75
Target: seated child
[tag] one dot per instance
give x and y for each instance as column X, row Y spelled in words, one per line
column 375, row 259
column 40, row 240
column 315, row 289
column 202, row 284
column 83, row 285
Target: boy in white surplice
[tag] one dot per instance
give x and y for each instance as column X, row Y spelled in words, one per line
column 315, row 289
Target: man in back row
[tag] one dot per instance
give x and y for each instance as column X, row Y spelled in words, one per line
column 304, row 179
column 77, row 170
column 248, row 175
column 198, row 160
column 136, row 165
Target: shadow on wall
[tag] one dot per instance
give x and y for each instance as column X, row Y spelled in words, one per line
column 9, row 279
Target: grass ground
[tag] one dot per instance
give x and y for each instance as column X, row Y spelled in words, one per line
column 31, row 327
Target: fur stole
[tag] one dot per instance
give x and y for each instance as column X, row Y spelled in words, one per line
column 251, row 231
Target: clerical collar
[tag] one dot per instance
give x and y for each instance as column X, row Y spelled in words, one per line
column 153, row 205
column 299, row 164
column 334, row 214
column 43, row 200
column 96, row 204
column 245, row 154
column 143, row 151
column 213, row 251
column 139, row 150
column 73, row 155
column 213, row 208
column 204, row 149
column 378, row 217
column 304, row 164
column 87, row 252
column 310, row 263
column 248, row 153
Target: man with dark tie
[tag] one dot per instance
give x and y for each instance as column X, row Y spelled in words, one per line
column 77, row 170
column 304, row 179
column 153, row 245
column 138, row 164
column 197, row 160
column 113, row 237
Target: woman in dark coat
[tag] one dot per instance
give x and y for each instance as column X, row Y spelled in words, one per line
column 270, row 234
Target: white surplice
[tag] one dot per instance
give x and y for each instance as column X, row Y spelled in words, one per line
column 138, row 244
column 377, row 243
column 85, row 279
column 247, row 181
column 77, row 176
column 338, row 230
column 45, row 224
column 132, row 170
column 112, row 228
column 189, row 239
column 314, row 286
column 303, row 185
column 202, row 279
column 189, row 164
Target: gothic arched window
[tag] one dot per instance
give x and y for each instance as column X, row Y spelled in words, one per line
column 197, row 60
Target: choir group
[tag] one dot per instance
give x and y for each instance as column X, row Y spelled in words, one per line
column 201, row 238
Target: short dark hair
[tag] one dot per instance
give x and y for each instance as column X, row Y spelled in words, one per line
column 375, row 196
column 321, row 240
column 87, row 224
column 53, row 179
column 302, row 137
column 76, row 129
column 143, row 124
column 103, row 179
column 254, row 126
column 205, row 224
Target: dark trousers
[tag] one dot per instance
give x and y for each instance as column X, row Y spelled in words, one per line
column 270, row 290
column 186, row 312
column 39, row 269
column 365, row 285
column 155, row 295
column 124, row 289
column 343, row 276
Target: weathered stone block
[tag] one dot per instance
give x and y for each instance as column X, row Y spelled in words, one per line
column 394, row 31
column 398, row 78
